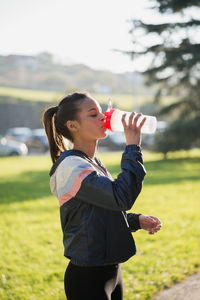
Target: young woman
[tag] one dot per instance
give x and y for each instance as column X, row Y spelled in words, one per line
column 96, row 228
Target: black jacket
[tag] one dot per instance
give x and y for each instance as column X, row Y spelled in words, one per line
column 96, row 228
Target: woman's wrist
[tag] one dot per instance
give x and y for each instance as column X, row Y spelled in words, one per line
column 133, row 147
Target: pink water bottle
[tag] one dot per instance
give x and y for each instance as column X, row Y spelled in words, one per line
column 113, row 121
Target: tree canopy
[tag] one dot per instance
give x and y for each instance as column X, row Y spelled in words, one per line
column 174, row 47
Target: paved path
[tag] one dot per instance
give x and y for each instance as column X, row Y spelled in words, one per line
column 189, row 289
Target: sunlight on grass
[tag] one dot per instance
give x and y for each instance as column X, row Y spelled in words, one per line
column 32, row 264
column 26, row 94
column 125, row 102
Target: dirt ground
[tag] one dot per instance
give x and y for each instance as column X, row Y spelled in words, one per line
column 189, row 289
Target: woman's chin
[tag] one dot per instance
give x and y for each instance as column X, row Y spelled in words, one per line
column 103, row 136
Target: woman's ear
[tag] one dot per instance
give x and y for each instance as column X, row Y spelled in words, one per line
column 72, row 125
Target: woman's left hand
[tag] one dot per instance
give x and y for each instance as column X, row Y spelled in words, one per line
column 150, row 223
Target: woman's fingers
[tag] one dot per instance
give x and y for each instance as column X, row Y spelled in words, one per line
column 151, row 221
column 130, row 121
column 136, row 119
column 124, row 121
column 133, row 120
column 158, row 222
column 142, row 122
column 153, row 230
column 131, row 130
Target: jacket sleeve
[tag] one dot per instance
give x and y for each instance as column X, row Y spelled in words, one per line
column 133, row 221
column 121, row 193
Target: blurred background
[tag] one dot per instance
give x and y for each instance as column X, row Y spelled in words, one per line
column 145, row 55
column 108, row 48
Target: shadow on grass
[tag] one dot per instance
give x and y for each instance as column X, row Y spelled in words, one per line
column 28, row 186
column 168, row 171
column 172, row 171
column 34, row 185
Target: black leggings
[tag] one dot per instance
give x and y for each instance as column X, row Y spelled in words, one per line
column 93, row 283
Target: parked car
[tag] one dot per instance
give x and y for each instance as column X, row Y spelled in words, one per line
column 20, row 134
column 118, row 139
column 37, row 141
column 11, row 148
column 115, row 141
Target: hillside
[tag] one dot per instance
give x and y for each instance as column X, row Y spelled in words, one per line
column 42, row 72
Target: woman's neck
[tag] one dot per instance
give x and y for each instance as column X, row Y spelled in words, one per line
column 89, row 148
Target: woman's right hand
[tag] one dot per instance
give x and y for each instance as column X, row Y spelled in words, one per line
column 131, row 130
column 150, row 223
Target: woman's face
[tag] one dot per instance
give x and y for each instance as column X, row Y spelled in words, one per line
column 90, row 121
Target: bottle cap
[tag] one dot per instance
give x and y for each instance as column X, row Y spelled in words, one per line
column 108, row 115
column 107, row 118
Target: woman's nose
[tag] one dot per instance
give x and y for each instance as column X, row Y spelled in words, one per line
column 102, row 117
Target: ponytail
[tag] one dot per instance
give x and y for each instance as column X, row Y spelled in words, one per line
column 56, row 141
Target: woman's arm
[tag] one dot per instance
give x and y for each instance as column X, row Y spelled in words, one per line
column 133, row 221
column 139, row 221
column 121, row 193
column 77, row 178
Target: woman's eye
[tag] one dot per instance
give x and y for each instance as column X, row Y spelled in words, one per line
column 93, row 116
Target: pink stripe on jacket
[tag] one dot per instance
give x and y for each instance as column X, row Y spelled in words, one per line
column 76, row 186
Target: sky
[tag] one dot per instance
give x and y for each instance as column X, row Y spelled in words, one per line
column 75, row 31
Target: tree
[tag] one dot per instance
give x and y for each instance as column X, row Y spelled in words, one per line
column 174, row 67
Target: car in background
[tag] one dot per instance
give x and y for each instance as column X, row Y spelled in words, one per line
column 37, row 141
column 115, row 141
column 118, row 139
column 12, row 148
column 20, row 134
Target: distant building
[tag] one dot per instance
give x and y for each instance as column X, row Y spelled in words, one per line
column 103, row 89
column 26, row 61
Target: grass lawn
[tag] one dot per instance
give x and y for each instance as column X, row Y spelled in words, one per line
column 125, row 102
column 32, row 264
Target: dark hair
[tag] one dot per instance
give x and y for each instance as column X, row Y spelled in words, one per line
column 55, row 118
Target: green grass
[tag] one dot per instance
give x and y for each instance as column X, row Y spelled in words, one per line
column 32, row 264
column 25, row 94
column 124, row 102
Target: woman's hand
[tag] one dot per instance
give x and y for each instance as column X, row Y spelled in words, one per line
column 131, row 130
column 150, row 223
